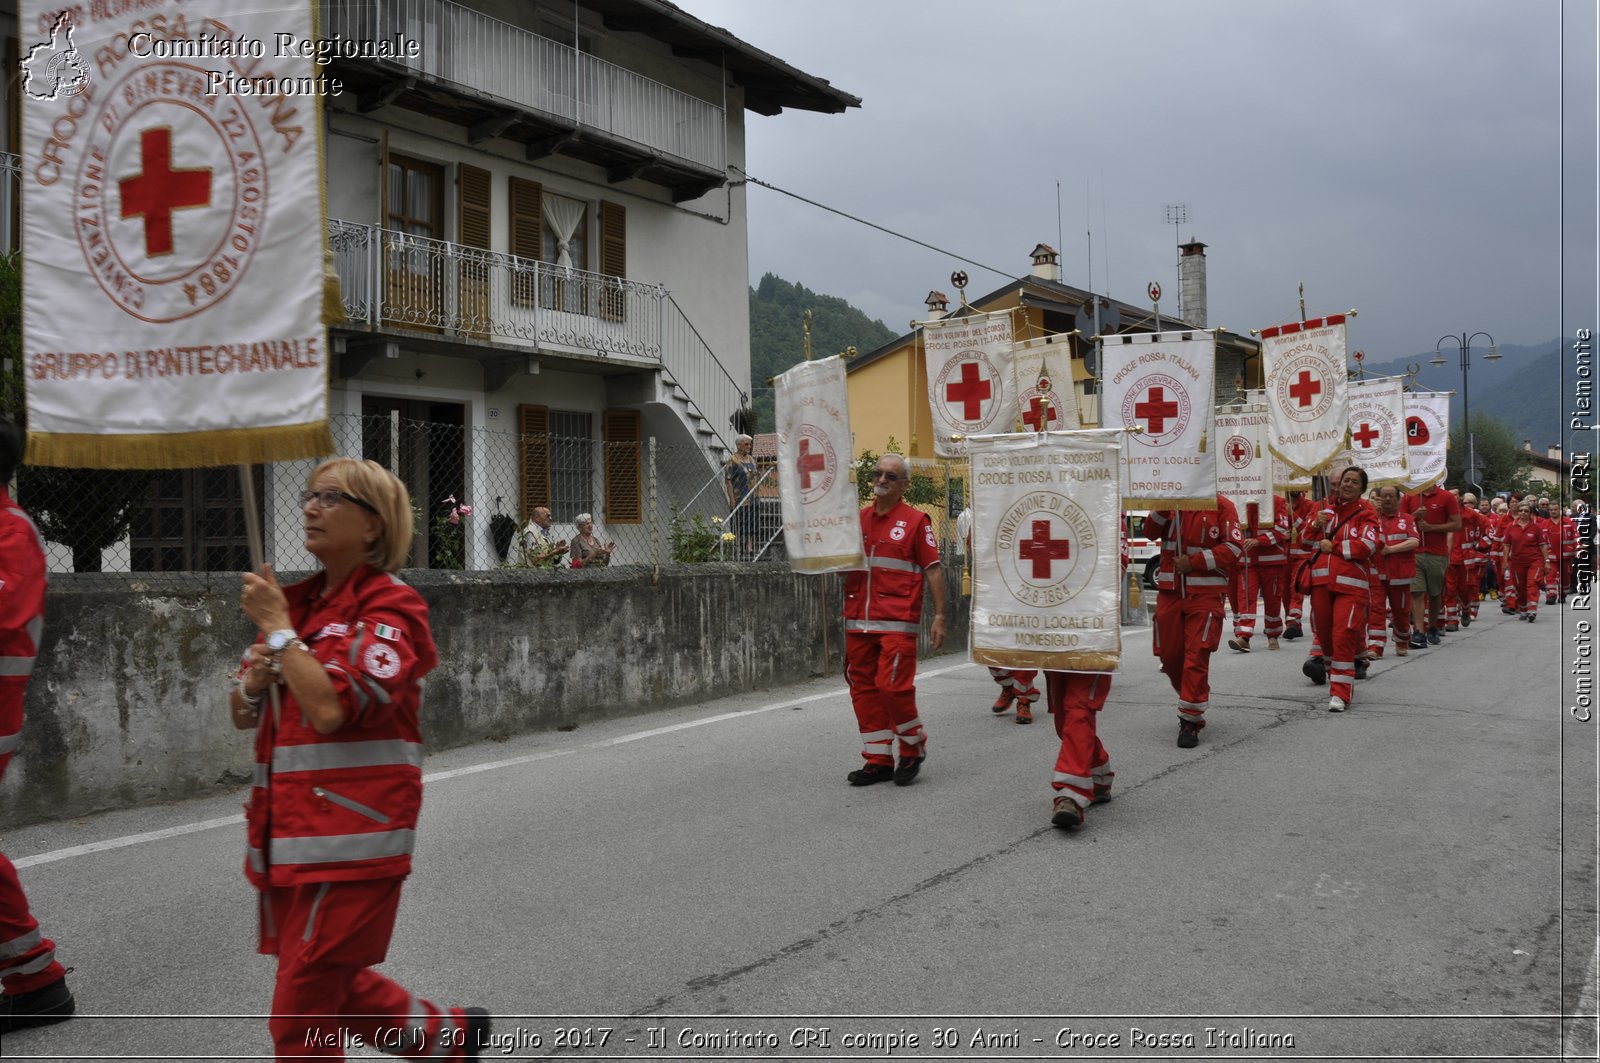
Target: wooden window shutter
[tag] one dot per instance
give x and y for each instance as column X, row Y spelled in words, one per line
column 472, row 229
column 613, row 258
column 527, row 237
column 533, row 424
column 620, row 432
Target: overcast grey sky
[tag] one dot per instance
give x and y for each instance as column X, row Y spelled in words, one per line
column 1402, row 157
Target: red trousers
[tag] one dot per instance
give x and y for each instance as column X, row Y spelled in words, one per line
column 1075, row 699
column 1016, row 684
column 1341, row 623
column 882, row 672
column 1188, row 628
column 1525, row 582
column 1377, row 621
column 1400, row 608
column 1292, row 598
column 27, row 958
column 327, row 936
column 1268, row 582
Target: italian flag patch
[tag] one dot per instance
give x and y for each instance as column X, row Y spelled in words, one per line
column 384, row 631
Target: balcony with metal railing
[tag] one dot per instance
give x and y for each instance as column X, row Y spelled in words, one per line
column 391, row 280
column 545, row 92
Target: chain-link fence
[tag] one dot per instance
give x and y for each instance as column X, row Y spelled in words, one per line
column 474, row 492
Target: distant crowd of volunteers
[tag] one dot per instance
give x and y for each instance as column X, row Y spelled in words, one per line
column 1344, row 571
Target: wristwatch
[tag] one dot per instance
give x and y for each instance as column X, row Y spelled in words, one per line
column 281, row 639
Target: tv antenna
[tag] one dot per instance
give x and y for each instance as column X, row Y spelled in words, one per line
column 1178, row 215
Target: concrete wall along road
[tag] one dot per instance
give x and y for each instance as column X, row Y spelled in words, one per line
column 128, row 703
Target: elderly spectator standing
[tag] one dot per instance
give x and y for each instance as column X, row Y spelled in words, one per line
column 1437, row 514
column 540, row 549
column 1397, row 555
column 338, row 773
column 1340, row 584
column 35, row 983
column 1199, row 548
column 587, row 552
column 738, row 479
column 882, row 616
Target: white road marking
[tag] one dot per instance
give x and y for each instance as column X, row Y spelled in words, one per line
column 127, row 840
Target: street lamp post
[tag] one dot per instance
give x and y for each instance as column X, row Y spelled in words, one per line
column 1464, row 343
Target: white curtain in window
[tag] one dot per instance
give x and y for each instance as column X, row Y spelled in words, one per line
column 563, row 216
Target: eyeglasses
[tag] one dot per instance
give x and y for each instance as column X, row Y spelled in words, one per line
column 884, row 474
column 332, row 498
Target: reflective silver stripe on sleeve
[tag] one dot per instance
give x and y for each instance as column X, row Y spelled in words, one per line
column 17, row 946
column 16, row 665
column 1350, row 581
column 311, row 916
column 35, row 630
column 362, row 700
column 323, row 756
column 372, row 687
column 267, row 920
column 258, row 864
column 1208, row 581
column 355, row 643
column 882, row 626
column 893, row 563
column 259, row 775
column 341, row 847
column 10, row 743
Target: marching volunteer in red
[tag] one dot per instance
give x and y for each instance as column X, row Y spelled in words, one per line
column 1437, row 514
column 1301, row 506
column 1465, row 555
column 1527, row 553
column 1016, row 685
column 1569, row 554
column 1199, row 547
column 1262, row 575
column 882, row 616
column 1340, row 585
column 35, row 983
column 1398, row 538
column 1548, row 517
column 1083, row 767
column 338, row 774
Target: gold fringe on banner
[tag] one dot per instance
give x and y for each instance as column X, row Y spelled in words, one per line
column 180, row 450
column 1169, row 503
column 840, row 563
column 1059, row 662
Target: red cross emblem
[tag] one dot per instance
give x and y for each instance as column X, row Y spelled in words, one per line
column 1156, row 409
column 1040, row 411
column 1305, row 388
column 808, row 463
column 383, row 659
column 1041, row 549
column 1366, row 435
column 158, row 190
column 1238, row 453
column 969, row 392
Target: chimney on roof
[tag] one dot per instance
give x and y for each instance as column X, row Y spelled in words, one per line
column 1553, row 451
column 1046, row 263
column 1527, row 444
column 1192, row 282
column 938, row 305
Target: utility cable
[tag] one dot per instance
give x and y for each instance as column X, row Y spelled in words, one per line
column 872, row 225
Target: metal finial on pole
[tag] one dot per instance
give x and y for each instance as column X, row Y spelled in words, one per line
column 1302, row 302
column 805, row 325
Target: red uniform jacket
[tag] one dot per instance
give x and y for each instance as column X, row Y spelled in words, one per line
column 887, row 597
column 22, row 582
column 1523, row 542
column 1210, row 538
column 1304, row 506
column 343, row 806
column 1398, row 568
column 1353, row 527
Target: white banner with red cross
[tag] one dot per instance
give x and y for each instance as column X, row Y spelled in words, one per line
column 1427, row 437
column 1306, row 395
column 1244, row 468
column 173, row 230
column 1047, row 401
column 1283, row 477
column 970, row 383
column 821, row 511
column 1159, row 387
column 1046, row 550
column 1378, row 430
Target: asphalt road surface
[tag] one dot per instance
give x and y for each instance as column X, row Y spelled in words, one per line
column 1415, row 877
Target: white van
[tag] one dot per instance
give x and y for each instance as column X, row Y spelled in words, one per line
column 1144, row 554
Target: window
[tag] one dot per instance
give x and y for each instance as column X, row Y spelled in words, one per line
column 571, row 464
column 194, row 522
column 566, row 224
column 620, row 435
column 413, row 206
